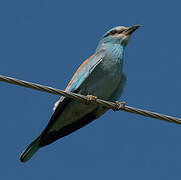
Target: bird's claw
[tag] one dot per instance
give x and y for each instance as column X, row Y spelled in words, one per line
column 90, row 99
column 119, row 105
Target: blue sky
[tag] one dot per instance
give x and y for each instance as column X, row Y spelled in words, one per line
column 45, row 42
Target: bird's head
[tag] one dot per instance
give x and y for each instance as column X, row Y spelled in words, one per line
column 119, row 35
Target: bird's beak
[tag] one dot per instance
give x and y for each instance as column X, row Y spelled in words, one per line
column 131, row 29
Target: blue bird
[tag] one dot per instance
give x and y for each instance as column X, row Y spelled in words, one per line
column 101, row 76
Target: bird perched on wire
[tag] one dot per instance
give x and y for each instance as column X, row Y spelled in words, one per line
column 101, row 76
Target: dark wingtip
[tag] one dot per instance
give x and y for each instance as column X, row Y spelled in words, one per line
column 22, row 159
column 30, row 151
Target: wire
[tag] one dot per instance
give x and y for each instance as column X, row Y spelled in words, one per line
column 85, row 99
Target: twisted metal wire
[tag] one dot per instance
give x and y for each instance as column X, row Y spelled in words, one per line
column 84, row 99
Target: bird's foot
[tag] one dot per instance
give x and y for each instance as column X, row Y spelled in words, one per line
column 90, row 99
column 119, row 105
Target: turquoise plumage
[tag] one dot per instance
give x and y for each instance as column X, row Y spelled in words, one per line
column 102, row 76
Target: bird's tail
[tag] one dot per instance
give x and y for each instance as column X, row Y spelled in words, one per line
column 30, row 150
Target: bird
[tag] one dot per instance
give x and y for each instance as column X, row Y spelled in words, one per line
column 101, row 75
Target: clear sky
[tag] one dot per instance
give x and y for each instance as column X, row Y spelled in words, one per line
column 45, row 41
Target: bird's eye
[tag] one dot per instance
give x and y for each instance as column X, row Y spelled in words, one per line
column 120, row 31
column 114, row 31
column 111, row 33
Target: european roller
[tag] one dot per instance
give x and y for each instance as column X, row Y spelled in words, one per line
column 101, row 75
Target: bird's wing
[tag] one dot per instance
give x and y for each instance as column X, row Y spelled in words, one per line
column 79, row 77
column 82, row 73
